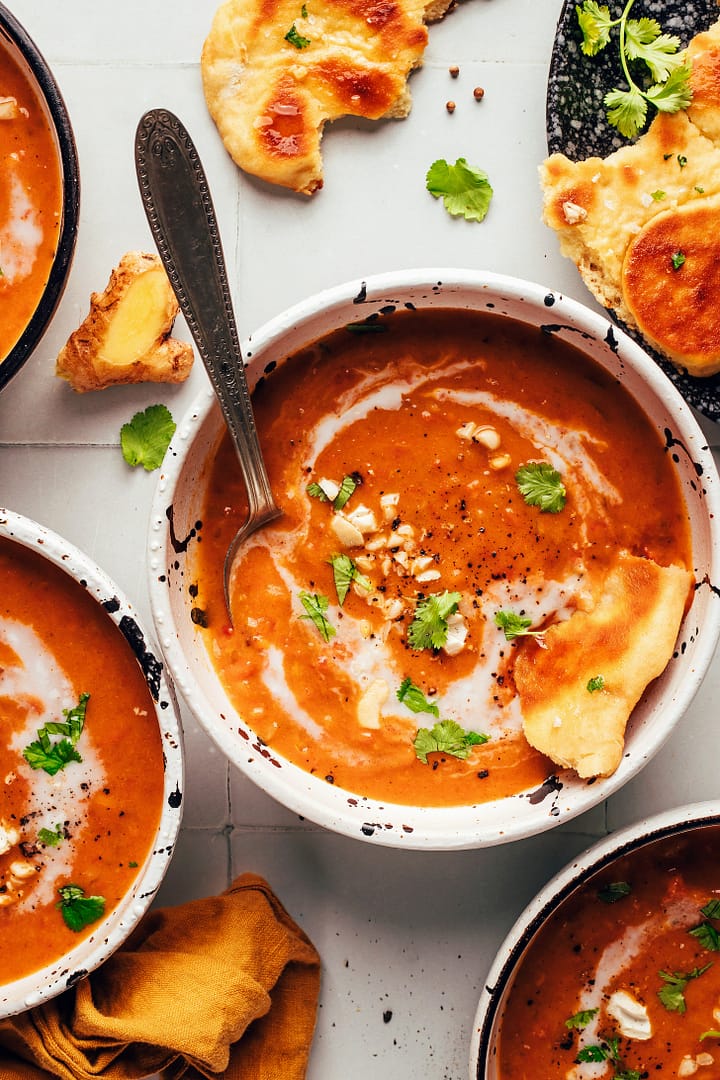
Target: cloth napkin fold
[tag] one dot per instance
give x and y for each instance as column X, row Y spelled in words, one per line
column 223, row 986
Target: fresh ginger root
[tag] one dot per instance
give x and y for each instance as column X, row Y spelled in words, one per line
column 126, row 335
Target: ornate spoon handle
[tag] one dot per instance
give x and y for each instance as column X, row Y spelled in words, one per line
column 182, row 219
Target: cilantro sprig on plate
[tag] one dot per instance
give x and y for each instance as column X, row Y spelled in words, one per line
column 641, row 42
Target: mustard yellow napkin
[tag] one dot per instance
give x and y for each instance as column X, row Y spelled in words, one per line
column 224, row 986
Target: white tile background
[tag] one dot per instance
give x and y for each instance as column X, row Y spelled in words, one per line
column 405, row 938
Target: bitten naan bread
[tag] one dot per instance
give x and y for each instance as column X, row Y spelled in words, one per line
column 643, row 224
column 274, row 71
column 627, row 638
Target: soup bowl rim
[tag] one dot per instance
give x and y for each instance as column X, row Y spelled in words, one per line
column 431, row 828
column 603, row 853
column 37, row 69
column 111, row 931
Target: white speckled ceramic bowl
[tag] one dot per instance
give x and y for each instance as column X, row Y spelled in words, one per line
column 16, row 41
column 178, row 506
column 109, row 933
column 499, row 981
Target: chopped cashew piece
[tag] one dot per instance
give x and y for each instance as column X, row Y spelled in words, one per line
column 347, row 533
column 690, row 1065
column 389, row 504
column 363, row 518
column 21, row 870
column 457, row 632
column 8, row 837
column 573, row 213
column 371, row 702
column 631, row 1015
column 9, row 109
column 125, row 337
column 329, row 488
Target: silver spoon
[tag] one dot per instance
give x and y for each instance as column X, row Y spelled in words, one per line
column 180, row 212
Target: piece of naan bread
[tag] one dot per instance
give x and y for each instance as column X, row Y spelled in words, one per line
column 627, row 638
column 658, row 276
column 270, row 98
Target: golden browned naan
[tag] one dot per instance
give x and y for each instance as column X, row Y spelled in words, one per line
column 601, row 206
column 271, row 98
column 627, row 638
column 671, row 283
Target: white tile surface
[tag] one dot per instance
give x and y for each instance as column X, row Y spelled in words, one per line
column 405, row 938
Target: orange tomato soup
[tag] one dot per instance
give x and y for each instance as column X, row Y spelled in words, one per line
column 624, row 979
column 91, row 823
column 424, row 419
column 30, row 201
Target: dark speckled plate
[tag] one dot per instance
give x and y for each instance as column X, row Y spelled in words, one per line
column 576, row 124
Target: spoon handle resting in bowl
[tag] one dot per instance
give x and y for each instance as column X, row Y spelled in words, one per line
column 181, row 215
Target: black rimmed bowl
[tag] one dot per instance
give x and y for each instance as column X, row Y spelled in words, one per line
column 177, row 521
column 22, row 50
column 607, row 875
column 25, row 853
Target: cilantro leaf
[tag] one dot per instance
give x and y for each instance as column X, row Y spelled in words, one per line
column 711, row 910
column 604, row 1051
column 627, row 110
column 645, row 41
column 345, row 572
column 77, row 909
column 614, row 891
column 596, row 683
column 541, row 485
column 146, row 437
column 294, row 37
column 672, row 994
column 316, row 492
column 315, row 607
column 54, row 756
column 52, row 759
column 673, row 94
column 514, row 625
column 465, row 190
column 707, row 935
column 429, row 628
column 412, row 696
column 347, row 486
column 446, row 737
column 595, row 23
column 51, row 837
column 580, row 1020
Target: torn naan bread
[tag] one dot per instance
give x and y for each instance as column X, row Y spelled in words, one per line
column 275, row 71
column 604, row 209
column 626, row 639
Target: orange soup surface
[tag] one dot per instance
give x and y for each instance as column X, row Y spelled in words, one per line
column 366, row 615
column 30, row 201
column 81, row 761
column 624, row 980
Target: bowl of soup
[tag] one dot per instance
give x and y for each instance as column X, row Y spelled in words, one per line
column 39, row 195
column 91, row 759
column 612, row 970
column 489, row 597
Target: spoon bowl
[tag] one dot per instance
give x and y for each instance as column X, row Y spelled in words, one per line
column 181, row 216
